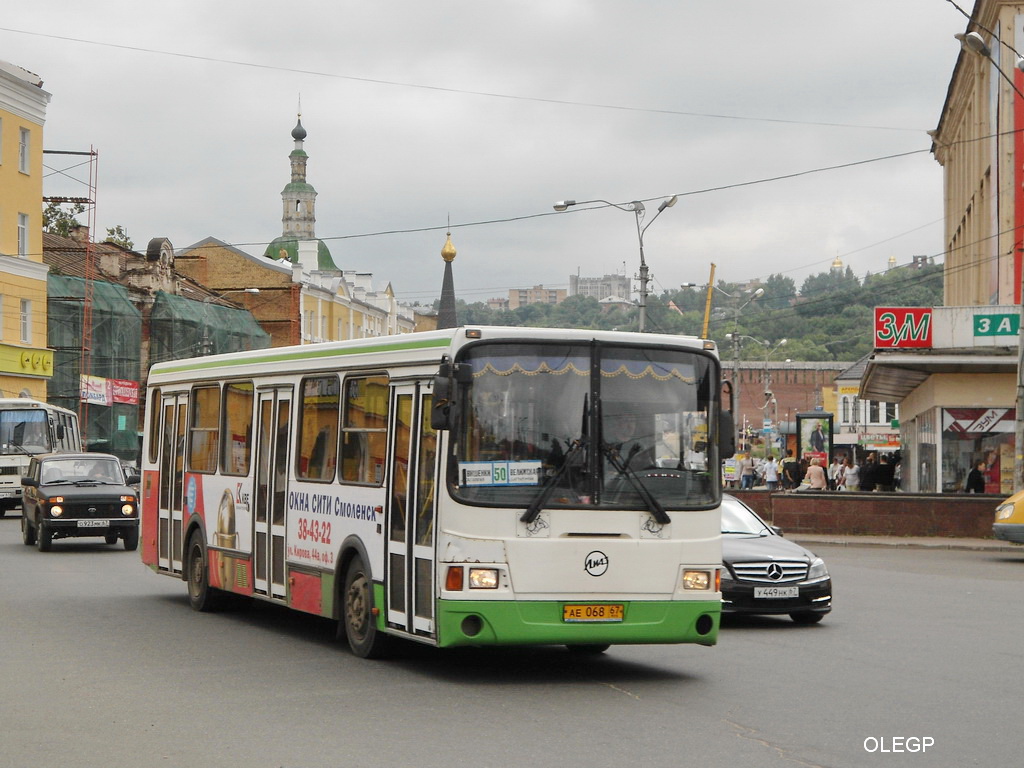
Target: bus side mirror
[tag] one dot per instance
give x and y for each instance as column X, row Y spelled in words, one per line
column 441, row 411
column 449, row 376
column 726, row 435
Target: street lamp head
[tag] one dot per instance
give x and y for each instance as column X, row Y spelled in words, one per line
column 782, row 342
column 758, row 293
column 561, row 205
column 668, row 203
column 975, row 43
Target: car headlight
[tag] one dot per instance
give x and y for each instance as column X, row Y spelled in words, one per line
column 817, row 570
column 127, row 509
column 1004, row 511
column 56, row 511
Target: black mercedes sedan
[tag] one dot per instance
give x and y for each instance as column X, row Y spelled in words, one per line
column 765, row 573
column 78, row 494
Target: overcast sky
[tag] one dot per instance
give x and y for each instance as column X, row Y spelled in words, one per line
column 488, row 112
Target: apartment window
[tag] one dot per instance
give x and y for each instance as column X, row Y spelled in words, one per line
column 23, row 151
column 22, row 235
column 26, row 321
column 873, row 416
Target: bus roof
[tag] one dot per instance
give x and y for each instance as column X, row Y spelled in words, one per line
column 16, row 403
column 403, row 349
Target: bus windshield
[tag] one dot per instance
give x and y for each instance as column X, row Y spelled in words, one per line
column 586, row 425
column 24, row 432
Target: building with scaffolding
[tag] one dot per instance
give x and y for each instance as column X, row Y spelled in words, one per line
column 140, row 310
column 25, row 362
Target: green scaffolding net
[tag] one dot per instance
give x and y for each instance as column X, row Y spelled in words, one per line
column 113, row 349
column 182, row 328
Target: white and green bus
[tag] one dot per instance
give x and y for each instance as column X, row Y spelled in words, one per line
column 474, row 486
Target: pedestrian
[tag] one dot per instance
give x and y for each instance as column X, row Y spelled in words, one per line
column 746, row 473
column 869, row 473
column 851, row 475
column 815, row 479
column 771, row 473
column 835, row 472
column 976, row 478
column 886, row 474
column 790, row 471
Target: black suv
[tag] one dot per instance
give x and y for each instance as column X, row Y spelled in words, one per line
column 78, row 494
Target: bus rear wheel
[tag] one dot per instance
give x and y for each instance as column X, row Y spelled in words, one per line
column 357, row 613
column 201, row 596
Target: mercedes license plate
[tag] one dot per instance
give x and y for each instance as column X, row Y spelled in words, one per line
column 593, row 612
column 774, row 593
column 93, row 523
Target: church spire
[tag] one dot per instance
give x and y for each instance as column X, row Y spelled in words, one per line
column 446, row 315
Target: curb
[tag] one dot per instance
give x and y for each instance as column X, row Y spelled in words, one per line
column 975, row 545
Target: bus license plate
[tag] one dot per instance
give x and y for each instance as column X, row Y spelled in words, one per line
column 93, row 523
column 774, row 593
column 593, row 612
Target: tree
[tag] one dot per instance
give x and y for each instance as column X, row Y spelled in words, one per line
column 119, row 236
column 61, row 221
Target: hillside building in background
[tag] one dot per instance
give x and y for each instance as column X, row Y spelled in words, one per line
column 604, row 287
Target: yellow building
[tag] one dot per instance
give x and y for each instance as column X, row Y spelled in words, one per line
column 25, row 362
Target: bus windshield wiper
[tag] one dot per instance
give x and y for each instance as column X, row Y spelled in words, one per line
column 549, row 487
column 615, row 459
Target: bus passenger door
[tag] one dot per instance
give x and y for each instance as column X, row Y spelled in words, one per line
column 411, row 509
column 268, row 510
column 172, row 474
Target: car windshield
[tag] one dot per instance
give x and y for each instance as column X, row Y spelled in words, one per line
column 81, row 470
column 739, row 519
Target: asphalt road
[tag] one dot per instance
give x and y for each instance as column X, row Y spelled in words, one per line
column 103, row 664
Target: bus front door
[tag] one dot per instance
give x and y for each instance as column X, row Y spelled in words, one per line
column 268, row 524
column 172, row 475
column 411, row 508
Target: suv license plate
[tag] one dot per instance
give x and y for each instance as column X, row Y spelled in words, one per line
column 773, row 593
column 93, row 523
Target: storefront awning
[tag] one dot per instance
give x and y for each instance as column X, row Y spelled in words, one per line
column 892, row 375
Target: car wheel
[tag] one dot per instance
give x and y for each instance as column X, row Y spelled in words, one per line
column 110, row 538
column 357, row 617
column 43, row 538
column 28, row 533
column 806, row 617
column 131, row 539
column 201, row 596
column 588, row 650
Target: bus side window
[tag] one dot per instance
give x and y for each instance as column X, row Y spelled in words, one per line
column 154, row 425
column 236, row 447
column 318, row 429
column 204, row 431
column 364, row 436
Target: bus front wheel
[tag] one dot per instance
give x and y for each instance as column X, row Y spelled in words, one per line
column 357, row 613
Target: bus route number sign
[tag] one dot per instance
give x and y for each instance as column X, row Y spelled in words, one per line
column 593, row 612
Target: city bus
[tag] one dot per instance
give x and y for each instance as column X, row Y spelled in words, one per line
column 27, row 428
column 475, row 486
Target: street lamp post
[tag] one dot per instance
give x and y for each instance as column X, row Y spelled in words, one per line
column 975, row 43
column 735, row 338
column 638, row 209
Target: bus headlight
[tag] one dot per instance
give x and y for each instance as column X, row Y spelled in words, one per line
column 483, row 578
column 697, row 580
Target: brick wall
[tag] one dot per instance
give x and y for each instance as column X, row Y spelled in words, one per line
column 877, row 514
